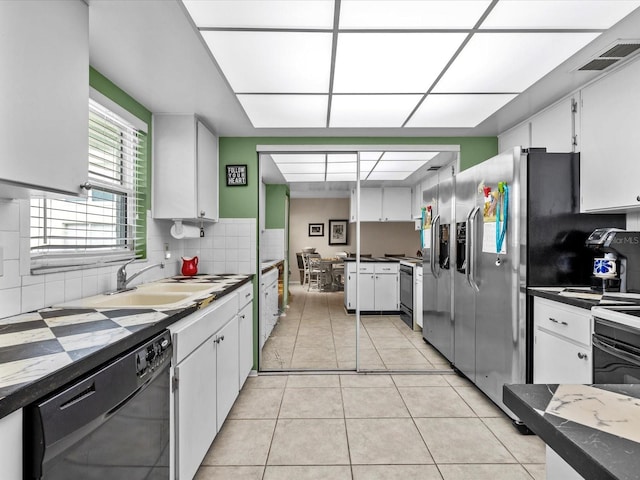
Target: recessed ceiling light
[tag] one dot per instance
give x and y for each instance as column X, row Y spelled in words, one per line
column 285, row 111
column 371, row 110
column 457, row 110
column 569, row 14
column 399, row 14
column 273, row 62
column 392, row 62
column 261, row 13
column 509, row 62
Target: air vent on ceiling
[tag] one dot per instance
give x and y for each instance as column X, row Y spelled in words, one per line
column 599, row 64
column 613, row 54
column 432, row 169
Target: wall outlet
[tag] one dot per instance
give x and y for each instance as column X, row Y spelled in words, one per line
column 167, row 253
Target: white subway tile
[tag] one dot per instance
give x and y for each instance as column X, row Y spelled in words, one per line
column 32, row 297
column 25, row 217
column 9, row 215
column 219, row 267
column 244, row 267
column 72, row 288
column 231, row 267
column 28, row 280
column 232, row 255
column 11, row 277
column 232, row 230
column 10, row 302
column 89, row 286
column 53, row 292
column 25, row 256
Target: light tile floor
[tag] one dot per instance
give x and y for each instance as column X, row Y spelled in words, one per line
column 369, row 427
column 317, row 334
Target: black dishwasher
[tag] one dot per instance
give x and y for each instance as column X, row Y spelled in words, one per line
column 112, row 424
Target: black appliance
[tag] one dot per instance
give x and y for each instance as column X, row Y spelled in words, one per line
column 112, row 424
column 616, row 345
column 406, row 295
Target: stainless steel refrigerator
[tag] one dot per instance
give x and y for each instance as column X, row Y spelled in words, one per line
column 543, row 246
column 437, row 257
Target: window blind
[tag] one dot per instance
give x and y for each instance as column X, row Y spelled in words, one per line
column 109, row 224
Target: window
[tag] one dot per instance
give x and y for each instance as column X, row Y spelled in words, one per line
column 109, row 224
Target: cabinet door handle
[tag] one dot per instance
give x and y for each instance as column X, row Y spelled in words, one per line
column 247, row 295
column 553, row 320
column 582, row 356
column 243, row 316
column 564, row 323
column 202, row 213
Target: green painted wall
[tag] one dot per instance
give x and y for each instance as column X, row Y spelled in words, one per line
column 242, row 202
column 275, row 206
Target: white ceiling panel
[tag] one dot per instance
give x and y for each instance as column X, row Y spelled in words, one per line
column 370, row 155
column 342, row 167
column 304, row 177
column 273, row 62
column 342, row 157
column 371, row 110
column 509, row 62
column 562, row 14
column 457, row 110
column 298, row 157
column 287, row 168
column 261, row 13
column 388, row 175
column 425, row 156
column 400, row 14
column 391, row 62
column 398, row 165
column 367, row 165
column 273, row 111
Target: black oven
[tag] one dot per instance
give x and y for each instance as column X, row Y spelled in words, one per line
column 616, row 346
column 406, row 294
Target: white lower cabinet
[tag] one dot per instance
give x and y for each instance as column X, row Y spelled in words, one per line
column 207, row 358
column 245, row 327
column 269, row 307
column 11, row 446
column 379, row 286
column 562, row 343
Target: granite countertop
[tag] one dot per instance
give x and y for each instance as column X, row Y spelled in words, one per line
column 584, row 297
column 594, row 428
column 43, row 350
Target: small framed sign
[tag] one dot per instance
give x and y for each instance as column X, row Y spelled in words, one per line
column 316, row 229
column 338, row 232
column 236, row 175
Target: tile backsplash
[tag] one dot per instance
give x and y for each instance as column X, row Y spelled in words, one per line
column 228, row 247
column 272, row 244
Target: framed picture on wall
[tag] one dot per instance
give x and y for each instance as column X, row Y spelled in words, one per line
column 338, row 232
column 316, row 229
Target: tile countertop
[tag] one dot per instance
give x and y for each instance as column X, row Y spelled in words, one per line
column 595, row 429
column 584, row 297
column 267, row 265
column 43, row 350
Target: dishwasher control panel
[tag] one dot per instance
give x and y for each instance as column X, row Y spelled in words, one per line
column 153, row 355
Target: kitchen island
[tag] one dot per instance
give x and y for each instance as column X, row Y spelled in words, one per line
column 595, row 429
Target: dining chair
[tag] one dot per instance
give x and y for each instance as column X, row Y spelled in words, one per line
column 315, row 272
column 306, row 276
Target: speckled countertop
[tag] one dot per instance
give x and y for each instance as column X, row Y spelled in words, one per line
column 43, row 350
column 595, row 429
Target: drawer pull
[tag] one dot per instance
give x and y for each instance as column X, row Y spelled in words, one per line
column 553, row 320
column 582, row 356
column 247, row 295
column 564, row 323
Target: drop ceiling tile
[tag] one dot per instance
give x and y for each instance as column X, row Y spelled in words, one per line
column 285, row 111
column 375, row 175
column 401, row 14
column 371, row 110
column 509, row 62
column 298, row 157
column 398, row 165
column 304, row 177
column 286, row 168
column 342, row 157
column 261, row 13
column 391, row 62
column 569, row 14
column 273, row 62
column 370, row 155
column 341, row 177
column 425, row 156
column 457, row 110
column 342, row 167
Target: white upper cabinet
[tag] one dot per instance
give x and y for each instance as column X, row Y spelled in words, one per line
column 609, row 154
column 185, row 169
column 553, row 128
column 389, row 204
column 44, row 95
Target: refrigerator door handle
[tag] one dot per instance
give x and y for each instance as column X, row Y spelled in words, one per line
column 436, row 242
column 432, row 251
column 467, row 249
column 473, row 250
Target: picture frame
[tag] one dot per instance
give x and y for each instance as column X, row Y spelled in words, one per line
column 236, row 175
column 339, row 232
column 316, row 229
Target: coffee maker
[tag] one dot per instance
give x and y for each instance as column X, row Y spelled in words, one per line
column 623, row 248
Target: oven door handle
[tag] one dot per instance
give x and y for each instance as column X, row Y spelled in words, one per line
column 603, row 345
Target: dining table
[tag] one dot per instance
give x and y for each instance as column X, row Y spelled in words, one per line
column 330, row 281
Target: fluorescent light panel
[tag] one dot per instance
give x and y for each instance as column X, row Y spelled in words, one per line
column 371, row 110
column 388, row 175
column 370, row 155
column 304, row 177
column 399, row 14
column 399, row 165
column 273, row 62
column 425, row 156
column 342, row 157
column 569, row 14
column 457, row 110
column 285, row 111
column 342, row 167
column 341, row 177
column 286, row 168
column 509, row 62
column 280, row 158
column 261, row 13
column 391, row 62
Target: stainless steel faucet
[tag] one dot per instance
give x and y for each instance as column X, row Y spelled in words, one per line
column 123, row 281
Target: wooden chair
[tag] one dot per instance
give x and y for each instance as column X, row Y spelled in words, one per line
column 315, row 271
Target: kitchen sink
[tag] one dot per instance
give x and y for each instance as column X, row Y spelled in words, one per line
column 176, row 287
